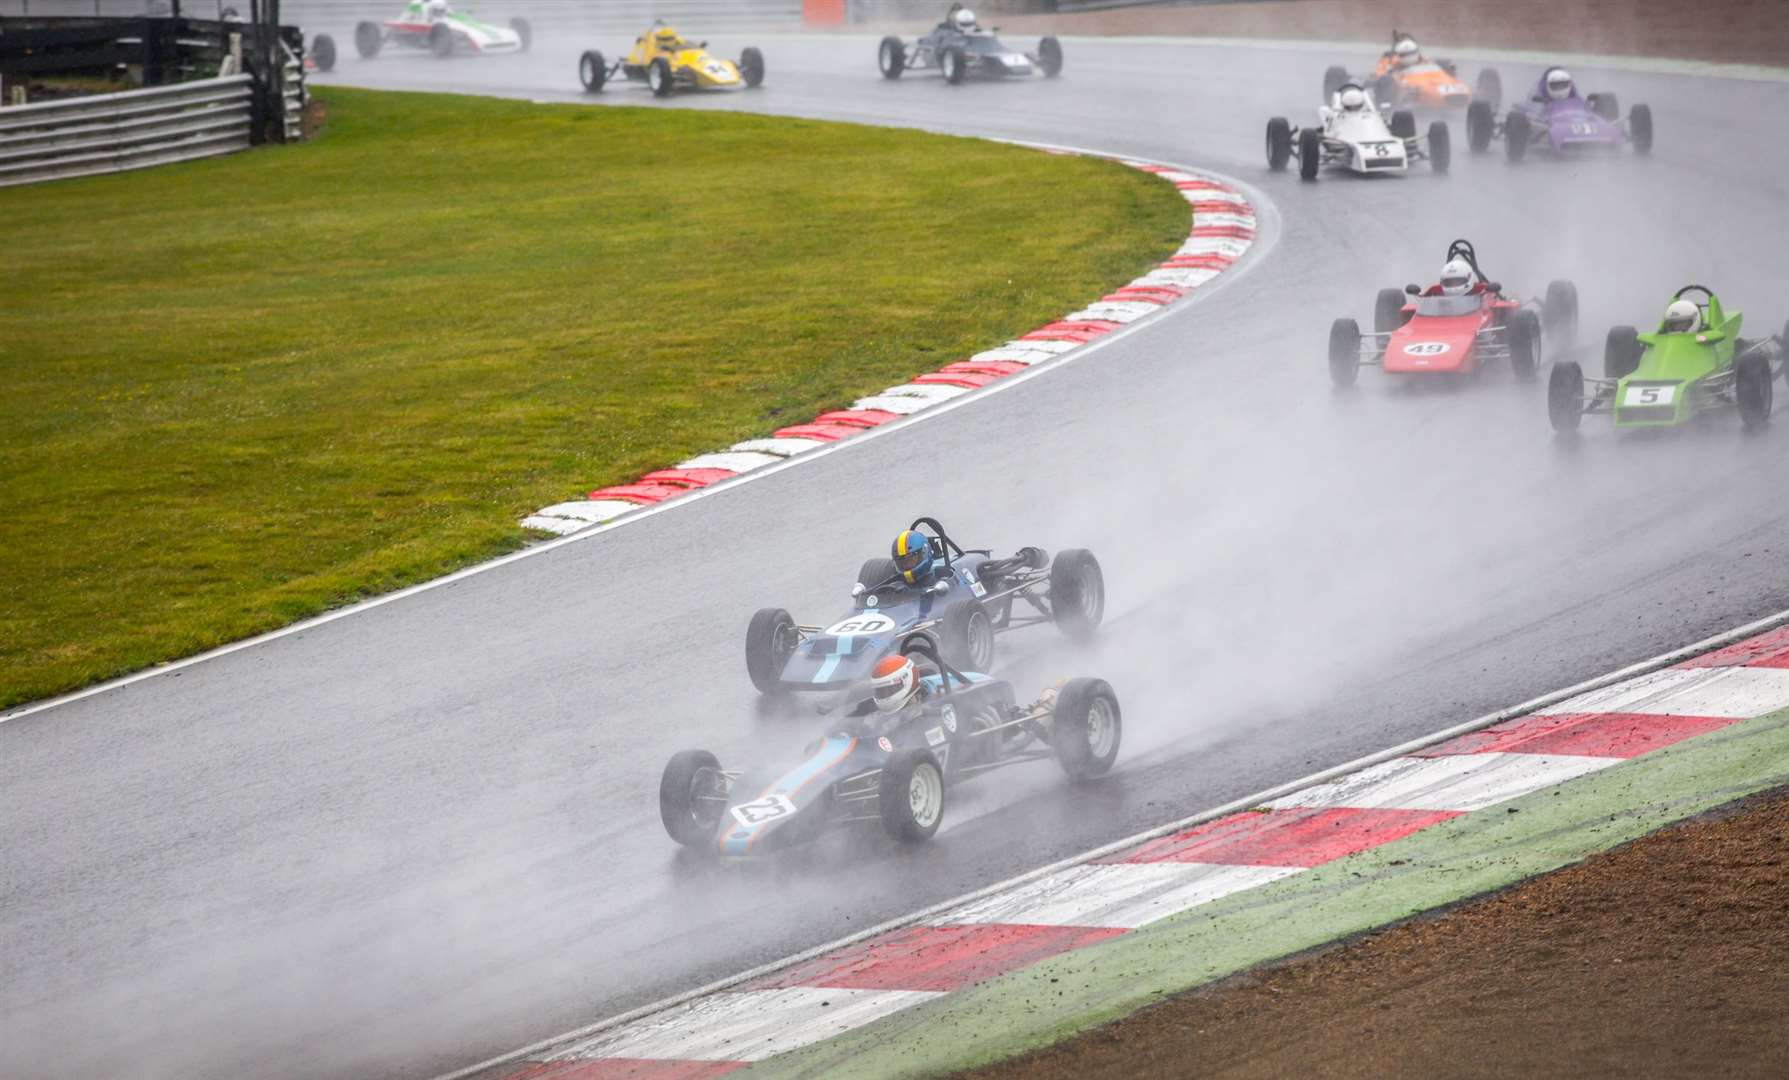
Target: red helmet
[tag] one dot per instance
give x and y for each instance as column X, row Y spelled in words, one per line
column 894, row 682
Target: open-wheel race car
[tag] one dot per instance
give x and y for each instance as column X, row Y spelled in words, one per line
column 1694, row 363
column 1455, row 326
column 1557, row 120
column 434, row 26
column 1354, row 133
column 958, row 48
column 666, row 61
column 1405, row 78
column 929, row 592
column 874, row 765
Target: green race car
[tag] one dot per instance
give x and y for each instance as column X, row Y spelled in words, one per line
column 1695, row 362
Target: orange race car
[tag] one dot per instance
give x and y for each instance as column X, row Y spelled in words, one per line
column 1405, row 78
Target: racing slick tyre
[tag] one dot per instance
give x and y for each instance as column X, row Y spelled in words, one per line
column 323, row 52
column 876, row 572
column 1388, row 311
column 659, row 78
column 523, row 31
column 368, row 39
column 1607, row 106
column 910, row 796
column 1086, row 727
column 1490, row 88
column 891, row 57
column 1621, row 352
column 1565, row 396
column 1783, row 352
column 1441, row 147
column 1516, row 134
column 1077, row 593
column 1310, row 153
column 966, row 638
column 1279, row 143
column 1524, row 343
column 1049, row 57
column 1639, row 128
column 1753, row 386
column 1344, row 352
column 770, row 640
column 751, row 68
column 1481, row 126
column 1333, row 78
column 692, row 797
column 954, row 64
column 1403, row 124
column 593, row 71
column 441, row 41
column 1559, row 314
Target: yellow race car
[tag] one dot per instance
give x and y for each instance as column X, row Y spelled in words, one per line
column 666, row 61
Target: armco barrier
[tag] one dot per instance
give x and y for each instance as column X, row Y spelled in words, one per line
column 130, row 130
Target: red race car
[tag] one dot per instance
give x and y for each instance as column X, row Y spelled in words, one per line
column 1455, row 326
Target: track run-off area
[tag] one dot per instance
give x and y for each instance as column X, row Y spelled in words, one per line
column 417, row 836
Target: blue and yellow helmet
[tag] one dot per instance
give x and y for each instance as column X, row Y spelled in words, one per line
column 913, row 557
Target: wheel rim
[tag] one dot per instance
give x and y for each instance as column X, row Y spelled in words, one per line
column 653, row 78
column 783, row 643
column 1102, row 728
column 1092, row 599
column 887, row 57
column 587, row 71
column 925, row 795
column 708, row 798
column 981, row 642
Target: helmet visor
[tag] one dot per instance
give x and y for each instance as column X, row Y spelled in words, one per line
column 913, row 560
column 893, row 688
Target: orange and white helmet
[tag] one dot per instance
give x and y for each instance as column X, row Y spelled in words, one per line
column 894, row 682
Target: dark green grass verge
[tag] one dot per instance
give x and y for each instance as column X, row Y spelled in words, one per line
column 243, row 391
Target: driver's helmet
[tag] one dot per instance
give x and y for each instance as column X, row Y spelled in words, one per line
column 1682, row 317
column 1559, row 84
column 1405, row 52
column 1352, row 99
column 667, row 36
column 913, row 557
column 894, row 682
column 1456, row 278
column 964, row 19
column 436, row 10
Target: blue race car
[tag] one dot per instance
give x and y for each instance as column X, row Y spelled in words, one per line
column 871, row 766
column 973, row 597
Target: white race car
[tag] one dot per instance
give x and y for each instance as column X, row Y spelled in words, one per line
column 433, row 25
column 1354, row 133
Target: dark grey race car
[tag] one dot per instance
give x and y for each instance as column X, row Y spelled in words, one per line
column 961, row 50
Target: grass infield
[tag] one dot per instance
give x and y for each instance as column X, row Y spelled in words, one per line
column 243, row 391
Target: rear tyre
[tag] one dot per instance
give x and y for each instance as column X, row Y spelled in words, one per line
column 954, row 64
column 1441, row 147
column 876, row 572
column 751, row 68
column 593, row 71
column 1049, row 57
column 523, row 31
column 891, row 57
column 1279, row 143
column 770, row 639
column 441, row 42
column 1559, row 314
column 1310, row 153
column 1516, row 134
column 1490, row 88
column 1607, row 106
column 1639, row 129
column 910, row 796
column 1752, row 384
column 966, row 638
column 368, row 40
column 1565, row 396
column 1403, row 124
column 658, row 77
column 1388, row 311
column 1344, row 352
column 691, row 797
column 323, row 52
column 1621, row 352
column 1481, row 125
column 1333, row 78
column 1077, row 593
column 1086, row 727
column 1524, row 343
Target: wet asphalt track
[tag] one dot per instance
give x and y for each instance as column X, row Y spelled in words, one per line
column 407, row 840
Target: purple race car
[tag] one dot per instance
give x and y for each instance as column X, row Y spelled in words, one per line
column 1555, row 118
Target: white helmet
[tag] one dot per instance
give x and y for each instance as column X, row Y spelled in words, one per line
column 1456, row 278
column 1406, row 52
column 1352, row 98
column 436, row 9
column 1559, row 84
column 894, row 682
column 1682, row 317
column 965, row 19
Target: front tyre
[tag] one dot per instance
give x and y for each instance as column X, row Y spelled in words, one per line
column 891, row 57
column 966, row 638
column 1559, row 314
column 770, row 640
column 1441, row 147
column 593, row 71
column 910, row 796
column 1753, row 386
column 1310, row 153
column 1049, row 57
column 368, row 40
column 1639, row 129
column 1524, row 343
column 751, row 68
column 323, row 52
column 1279, row 143
column 1565, row 397
column 1388, row 311
column 658, row 77
column 1403, row 124
column 1077, row 593
column 692, row 796
column 954, row 64
column 1517, row 133
column 1621, row 352
column 523, row 31
column 1481, row 126
column 1344, row 352
column 441, row 41
column 1086, row 727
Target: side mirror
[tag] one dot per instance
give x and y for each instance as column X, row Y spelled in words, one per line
column 1414, row 290
column 857, row 589
column 940, row 587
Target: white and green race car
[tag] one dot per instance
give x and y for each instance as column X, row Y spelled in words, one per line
column 433, row 25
